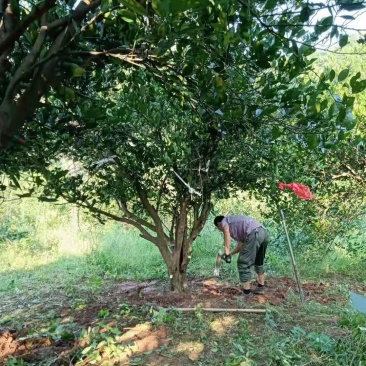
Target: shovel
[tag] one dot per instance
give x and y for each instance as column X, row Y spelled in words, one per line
column 216, row 272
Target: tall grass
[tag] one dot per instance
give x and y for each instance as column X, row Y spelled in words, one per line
column 38, row 237
column 120, row 252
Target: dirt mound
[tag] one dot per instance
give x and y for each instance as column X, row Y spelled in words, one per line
column 30, row 349
column 8, row 344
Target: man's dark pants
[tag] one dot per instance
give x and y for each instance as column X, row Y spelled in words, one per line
column 253, row 254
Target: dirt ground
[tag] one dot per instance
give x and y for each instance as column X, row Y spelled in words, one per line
column 213, row 293
column 210, row 293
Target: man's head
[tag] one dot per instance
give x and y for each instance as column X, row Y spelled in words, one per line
column 217, row 222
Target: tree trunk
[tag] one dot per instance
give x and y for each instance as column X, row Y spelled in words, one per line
column 177, row 260
column 176, row 265
column 178, row 280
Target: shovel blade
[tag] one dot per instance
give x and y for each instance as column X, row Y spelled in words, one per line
column 216, row 272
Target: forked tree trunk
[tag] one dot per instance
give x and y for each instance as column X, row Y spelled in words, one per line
column 176, row 258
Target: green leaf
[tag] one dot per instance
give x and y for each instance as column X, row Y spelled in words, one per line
column 15, row 181
column 349, row 121
column 263, row 62
column 134, row 6
column 276, row 132
column 161, row 7
column 332, row 75
column 75, row 24
column 324, row 24
column 105, row 5
column 328, row 21
column 359, row 87
column 343, row 75
column 349, row 101
column 86, row 350
column 353, row 80
column 187, row 69
column 341, row 114
column 312, row 141
column 127, row 15
column 25, row 195
column 305, row 14
column 295, row 47
column 77, row 71
column 15, row 9
column 68, row 336
column 268, row 92
column 47, row 199
column 270, row 4
column 343, row 40
column 348, row 17
column 352, row 6
column 332, row 110
column 67, row 93
column 334, row 32
column 163, row 47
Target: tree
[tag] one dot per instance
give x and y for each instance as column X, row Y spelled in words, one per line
column 161, row 107
column 42, row 45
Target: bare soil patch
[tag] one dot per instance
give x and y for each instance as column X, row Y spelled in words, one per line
column 213, row 293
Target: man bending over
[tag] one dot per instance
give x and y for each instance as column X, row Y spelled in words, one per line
column 252, row 239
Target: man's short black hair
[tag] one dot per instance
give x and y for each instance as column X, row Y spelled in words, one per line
column 218, row 219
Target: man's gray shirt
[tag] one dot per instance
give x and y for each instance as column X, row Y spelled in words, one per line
column 240, row 226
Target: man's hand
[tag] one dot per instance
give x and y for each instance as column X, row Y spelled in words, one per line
column 226, row 258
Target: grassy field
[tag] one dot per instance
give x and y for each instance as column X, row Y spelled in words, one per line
column 61, row 300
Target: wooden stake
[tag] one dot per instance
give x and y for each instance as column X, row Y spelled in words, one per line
column 296, row 272
column 218, row 310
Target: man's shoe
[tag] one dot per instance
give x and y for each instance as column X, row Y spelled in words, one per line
column 247, row 296
column 259, row 290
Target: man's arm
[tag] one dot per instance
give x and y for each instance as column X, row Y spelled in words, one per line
column 238, row 248
column 227, row 240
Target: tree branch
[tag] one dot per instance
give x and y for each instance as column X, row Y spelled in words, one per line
column 26, row 64
column 153, row 213
column 13, row 114
column 200, row 222
column 78, row 14
column 350, row 174
column 130, row 215
column 35, row 14
column 144, row 233
column 180, row 230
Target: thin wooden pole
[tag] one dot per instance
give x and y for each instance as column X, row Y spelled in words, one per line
column 218, row 310
column 296, row 272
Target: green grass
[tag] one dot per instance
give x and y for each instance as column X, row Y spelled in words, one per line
column 123, row 254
